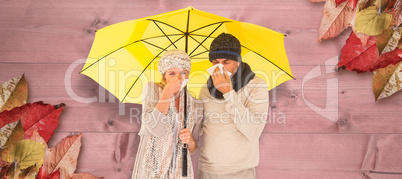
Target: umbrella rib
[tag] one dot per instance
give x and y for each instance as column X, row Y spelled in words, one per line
column 147, row 67
column 199, row 42
column 167, row 25
column 222, row 22
column 269, row 61
column 206, row 38
column 165, row 34
column 142, row 40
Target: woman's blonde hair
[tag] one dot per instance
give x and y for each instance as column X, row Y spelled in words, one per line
column 162, row 83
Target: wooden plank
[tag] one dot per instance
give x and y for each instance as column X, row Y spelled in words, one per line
column 287, row 155
column 306, row 174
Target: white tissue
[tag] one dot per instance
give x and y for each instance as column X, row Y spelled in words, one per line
column 183, row 83
column 212, row 69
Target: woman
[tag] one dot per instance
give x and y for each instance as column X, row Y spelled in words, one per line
column 162, row 128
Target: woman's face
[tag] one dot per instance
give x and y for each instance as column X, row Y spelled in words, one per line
column 181, row 73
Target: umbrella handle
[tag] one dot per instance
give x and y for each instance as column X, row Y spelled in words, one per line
column 184, row 149
column 184, row 168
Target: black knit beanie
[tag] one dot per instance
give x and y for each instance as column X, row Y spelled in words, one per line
column 225, row 46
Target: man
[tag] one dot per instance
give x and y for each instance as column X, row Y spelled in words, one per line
column 235, row 114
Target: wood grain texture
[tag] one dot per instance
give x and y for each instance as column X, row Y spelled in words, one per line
column 46, row 40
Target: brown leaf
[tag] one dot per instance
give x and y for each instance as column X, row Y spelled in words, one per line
column 28, row 173
column 5, row 132
column 44, row 117
column 63, row 156
column 392, row 42
column 4, row 168
column 383, row 39
column 84, row 176
column 335, row 19
column 13, row 93
column 7, row 153
column 387, row 81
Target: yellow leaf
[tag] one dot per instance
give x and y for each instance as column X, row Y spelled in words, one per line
column 13, row 93
column 369, row 22
column 29, row 153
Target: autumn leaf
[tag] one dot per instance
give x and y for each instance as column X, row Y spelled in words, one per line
column 28, row 173
column 335, row 19
column 392, row 42
column 7, row 153
column 63, row 156
column 383, row 39
column 363, row 38
column 356, row 57
column 29, row 152
column 42, row 174
column 12, row 171
column 387, row 81
column 44, row 117
column 352, row 3
column 369, row 22
column 84, row 176
column 5, row 132
column 13, row 93
column 4, row 168
column 397, row 12
column 363, row 4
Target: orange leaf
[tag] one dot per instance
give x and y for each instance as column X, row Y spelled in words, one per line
column 63, row 156
column 335, row 19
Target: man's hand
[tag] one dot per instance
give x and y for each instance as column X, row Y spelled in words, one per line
column 222, row 82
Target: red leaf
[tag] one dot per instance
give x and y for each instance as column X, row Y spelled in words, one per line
column 42, row 174
column 356, row 57
column 339, row 2
column 44, row 117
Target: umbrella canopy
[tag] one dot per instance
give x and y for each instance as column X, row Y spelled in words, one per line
column 124, row 56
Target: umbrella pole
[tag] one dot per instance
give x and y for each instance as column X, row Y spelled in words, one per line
column 184, row 149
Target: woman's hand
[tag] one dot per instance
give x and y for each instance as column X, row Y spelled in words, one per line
column 170, row 89
column 222, row 82
column 173, row 86
column 186, row 138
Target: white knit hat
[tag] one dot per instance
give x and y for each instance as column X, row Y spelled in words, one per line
column 174, row 59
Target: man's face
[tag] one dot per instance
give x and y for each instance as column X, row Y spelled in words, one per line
column 230, row 65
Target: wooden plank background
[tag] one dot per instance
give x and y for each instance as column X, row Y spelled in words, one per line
column 47, row 41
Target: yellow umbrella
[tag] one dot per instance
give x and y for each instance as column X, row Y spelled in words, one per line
column 124, row 56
